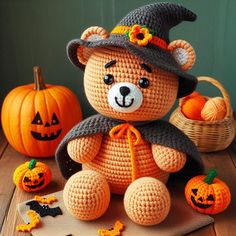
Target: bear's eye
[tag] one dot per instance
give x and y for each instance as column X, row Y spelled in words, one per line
column 143, row 82
column 108, row 79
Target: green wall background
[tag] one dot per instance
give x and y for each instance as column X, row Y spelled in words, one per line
column 36, row 33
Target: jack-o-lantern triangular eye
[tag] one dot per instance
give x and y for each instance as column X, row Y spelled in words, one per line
column 210, row 198
column 40, row 175
column 194, row 190
column 26, row 179
column 55, row 120
column 37, row 119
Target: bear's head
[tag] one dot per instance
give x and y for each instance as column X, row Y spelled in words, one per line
column 133, row 74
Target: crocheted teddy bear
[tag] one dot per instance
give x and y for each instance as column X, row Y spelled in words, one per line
column 132, row 77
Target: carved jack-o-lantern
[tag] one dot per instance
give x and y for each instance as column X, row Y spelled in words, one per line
column 35, row 117
column 42, row 136
column 207, row 194
column 32, row 176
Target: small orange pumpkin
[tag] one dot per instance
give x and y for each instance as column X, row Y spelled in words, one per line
column 35, row 117
column 32, row 176
column 207, row 194
column 192, row 105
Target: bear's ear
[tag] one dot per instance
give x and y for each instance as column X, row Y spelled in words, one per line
column 91, row 34
column 183, row 53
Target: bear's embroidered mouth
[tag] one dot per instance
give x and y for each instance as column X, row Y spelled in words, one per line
column 200, row 205
column 125, row 97
column 124, row 105
column 46, row 137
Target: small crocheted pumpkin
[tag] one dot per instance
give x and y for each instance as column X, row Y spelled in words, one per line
column 32, row 176
column 207, row 194
column 192, row 105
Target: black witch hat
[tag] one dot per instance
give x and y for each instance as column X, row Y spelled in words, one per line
column 145, row 33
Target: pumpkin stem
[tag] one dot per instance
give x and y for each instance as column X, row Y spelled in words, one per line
column 38, row 80
column 32, row 164
column 210, row 176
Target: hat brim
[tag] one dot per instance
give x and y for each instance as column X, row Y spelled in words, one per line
column 151, row 54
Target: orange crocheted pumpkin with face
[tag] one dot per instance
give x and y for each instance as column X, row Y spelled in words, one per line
column 126, row 146
column 32, row 176
column 207, row 194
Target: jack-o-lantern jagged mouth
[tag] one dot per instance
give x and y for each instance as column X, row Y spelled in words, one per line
column 124, row 105
column 46, row 137
column 41, row 183
column 200, row 205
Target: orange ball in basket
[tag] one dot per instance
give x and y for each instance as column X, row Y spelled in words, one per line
column 214, row 109
column 192, row 106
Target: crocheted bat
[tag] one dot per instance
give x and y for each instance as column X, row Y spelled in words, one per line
column 44, row 210
column 34, row 222
column 44, row 200
column 114, row 231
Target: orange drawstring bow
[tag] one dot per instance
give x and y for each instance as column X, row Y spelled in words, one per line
column 128, row 130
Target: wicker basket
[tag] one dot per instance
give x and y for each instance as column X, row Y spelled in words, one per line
column 208, row 136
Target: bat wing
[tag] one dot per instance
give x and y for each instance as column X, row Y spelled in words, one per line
column 44, row 210
column 35, row 206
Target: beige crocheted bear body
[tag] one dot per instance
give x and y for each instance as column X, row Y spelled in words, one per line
column 111, row 157
column 122, row 86
column 113, row 161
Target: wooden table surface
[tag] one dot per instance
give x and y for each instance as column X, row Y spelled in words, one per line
column 10, row 196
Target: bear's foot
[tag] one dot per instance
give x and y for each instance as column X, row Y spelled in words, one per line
column 87, row 195
column 147, row 201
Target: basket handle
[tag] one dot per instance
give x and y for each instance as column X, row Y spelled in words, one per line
column 225, row 94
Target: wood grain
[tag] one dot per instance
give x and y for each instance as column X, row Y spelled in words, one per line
column 10, row 196
column 9, row 161
column 3, row 142
column 205, row 231
column 222, row 162
column 12, row 219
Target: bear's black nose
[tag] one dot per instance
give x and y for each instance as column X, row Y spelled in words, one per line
column 124, row 90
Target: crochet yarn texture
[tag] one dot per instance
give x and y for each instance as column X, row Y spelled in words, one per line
column 207, row 194
column 132, row 80
column 128, row 69
column 156, row 132
column 147, row 201
column 87, row 195
column 159, row 18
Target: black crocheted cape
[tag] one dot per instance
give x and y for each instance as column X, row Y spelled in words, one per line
column 155, row 132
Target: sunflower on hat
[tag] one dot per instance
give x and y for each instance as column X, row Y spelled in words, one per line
column 139, row 35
